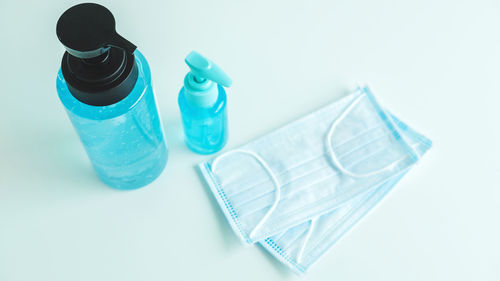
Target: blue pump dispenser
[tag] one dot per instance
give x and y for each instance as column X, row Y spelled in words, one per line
column 202, row 102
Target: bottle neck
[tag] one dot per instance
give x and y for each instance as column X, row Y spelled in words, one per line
column 103, row 80
column 200, row 92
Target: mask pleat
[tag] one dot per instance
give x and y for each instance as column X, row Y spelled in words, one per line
column 240, row 183
column 286, row 178
column 318, row 181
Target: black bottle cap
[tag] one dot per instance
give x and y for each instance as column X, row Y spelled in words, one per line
column 99, row 65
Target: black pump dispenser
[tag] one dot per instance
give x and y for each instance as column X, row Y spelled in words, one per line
column 99, row 65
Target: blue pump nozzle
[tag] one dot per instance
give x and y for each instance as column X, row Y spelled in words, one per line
column 198, row 83
column 203, row 68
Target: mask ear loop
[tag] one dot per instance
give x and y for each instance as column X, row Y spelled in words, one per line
column 332, row 154
column 306, row 239
column 268, row 170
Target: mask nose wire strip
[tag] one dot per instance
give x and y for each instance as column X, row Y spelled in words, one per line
column 268, row 170
column 306, row 239
column 332, row 154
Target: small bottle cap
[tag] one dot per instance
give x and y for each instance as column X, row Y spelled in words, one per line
column 200, row 84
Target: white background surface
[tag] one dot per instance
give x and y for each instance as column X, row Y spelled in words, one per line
column 435, row 64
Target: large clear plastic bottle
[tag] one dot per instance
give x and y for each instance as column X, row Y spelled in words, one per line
column 110, row 101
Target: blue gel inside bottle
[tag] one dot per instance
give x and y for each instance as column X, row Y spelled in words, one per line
column 124, row 140
column 205, row 129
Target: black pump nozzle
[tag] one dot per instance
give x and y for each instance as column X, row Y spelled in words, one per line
column 99, row 65
column 88, row 30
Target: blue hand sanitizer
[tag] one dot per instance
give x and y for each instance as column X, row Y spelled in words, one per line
column 105, row 85
column 202, row 102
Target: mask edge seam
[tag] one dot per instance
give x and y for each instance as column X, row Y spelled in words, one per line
column 223, row 202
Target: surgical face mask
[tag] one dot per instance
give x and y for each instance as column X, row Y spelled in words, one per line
column 301, row 246
column 308, row 168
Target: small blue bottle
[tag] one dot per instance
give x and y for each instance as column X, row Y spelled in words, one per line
column 105, row 85
column 202, row 102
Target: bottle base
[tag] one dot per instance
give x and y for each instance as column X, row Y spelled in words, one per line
column 205, row 150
